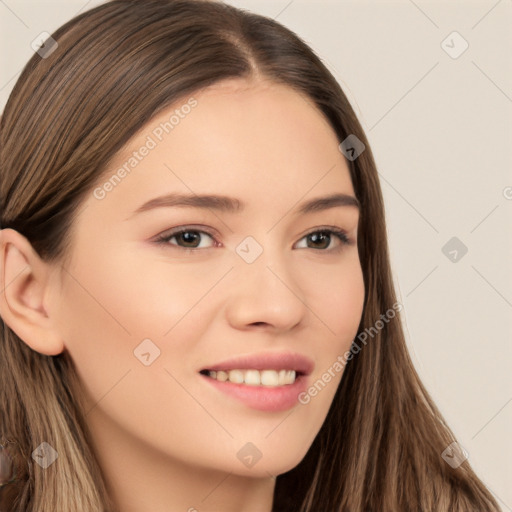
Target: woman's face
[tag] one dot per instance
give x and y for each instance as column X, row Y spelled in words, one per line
column 143, row 310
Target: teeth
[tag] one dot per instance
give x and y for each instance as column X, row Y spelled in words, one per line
column 253, row 378
column 236, row 376
column 269, row 378
column 222, row 376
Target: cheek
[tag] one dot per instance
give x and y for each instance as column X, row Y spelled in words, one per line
column 113, row 300
column 336, row 296
column 116, row 291
column 335, row 293
column 105, row 314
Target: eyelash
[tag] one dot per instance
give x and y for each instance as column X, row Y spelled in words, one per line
column 164, row 239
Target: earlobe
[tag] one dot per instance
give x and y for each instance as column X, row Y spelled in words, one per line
column 24, row 282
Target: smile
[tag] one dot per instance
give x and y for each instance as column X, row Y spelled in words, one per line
column 269, row 378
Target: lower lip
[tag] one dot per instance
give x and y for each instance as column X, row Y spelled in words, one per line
column 262, row 398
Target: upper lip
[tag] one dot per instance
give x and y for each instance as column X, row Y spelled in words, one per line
column 266, row 361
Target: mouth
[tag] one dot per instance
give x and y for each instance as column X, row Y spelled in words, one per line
column 268, row 382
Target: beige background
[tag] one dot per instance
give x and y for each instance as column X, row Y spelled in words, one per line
column 441, row 131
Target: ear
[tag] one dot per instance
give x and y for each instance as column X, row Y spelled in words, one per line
column 24, row 292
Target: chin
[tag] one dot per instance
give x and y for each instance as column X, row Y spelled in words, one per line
column 269, row 466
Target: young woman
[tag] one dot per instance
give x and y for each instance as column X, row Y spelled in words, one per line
column 198, row 311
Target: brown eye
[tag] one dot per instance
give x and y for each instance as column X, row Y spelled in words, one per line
column 323, row 238
column 185, row 238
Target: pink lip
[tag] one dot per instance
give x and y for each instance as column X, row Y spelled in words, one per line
column 264, row 398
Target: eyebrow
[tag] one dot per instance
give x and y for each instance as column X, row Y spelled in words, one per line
column 233, row 205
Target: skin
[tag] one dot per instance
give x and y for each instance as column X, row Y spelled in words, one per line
column 166, row 439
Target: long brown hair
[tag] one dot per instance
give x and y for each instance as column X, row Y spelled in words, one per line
column 115, row 67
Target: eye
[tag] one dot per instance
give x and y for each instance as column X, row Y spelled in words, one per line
column 187, row 235
column 325, row 235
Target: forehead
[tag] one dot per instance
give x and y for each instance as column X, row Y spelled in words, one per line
column 255, row 140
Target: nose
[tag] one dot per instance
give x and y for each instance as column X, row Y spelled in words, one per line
column 265, row 294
